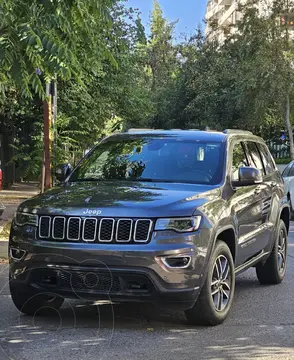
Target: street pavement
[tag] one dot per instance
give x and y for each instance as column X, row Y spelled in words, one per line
column 260, row 326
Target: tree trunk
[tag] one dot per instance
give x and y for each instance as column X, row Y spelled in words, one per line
column 47, row 138
column 288, row 125
column 287, row 114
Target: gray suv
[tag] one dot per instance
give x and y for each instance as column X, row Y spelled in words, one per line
column 154, row 216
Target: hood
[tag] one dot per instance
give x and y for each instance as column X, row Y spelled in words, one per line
column 122, row 199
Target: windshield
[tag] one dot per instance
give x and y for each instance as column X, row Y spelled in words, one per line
column 163, row 159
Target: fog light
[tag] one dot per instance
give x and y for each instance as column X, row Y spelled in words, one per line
column 17, row 254
column 177, row 262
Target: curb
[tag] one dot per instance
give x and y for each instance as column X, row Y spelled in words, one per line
column 3, row 249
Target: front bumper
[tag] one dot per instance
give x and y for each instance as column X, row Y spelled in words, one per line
column 113, row 272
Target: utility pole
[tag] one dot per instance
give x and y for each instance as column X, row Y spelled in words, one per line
column 46, row 170
column 54, row 100
column 54, row 116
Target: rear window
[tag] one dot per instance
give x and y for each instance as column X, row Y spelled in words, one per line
column 266, row 159
column 254, row 156
column 287, row 170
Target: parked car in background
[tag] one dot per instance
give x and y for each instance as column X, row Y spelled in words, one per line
column 288, row 176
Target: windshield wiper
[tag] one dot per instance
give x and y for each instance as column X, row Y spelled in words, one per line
column 142, row 179
column 126, row 179
column 86, row 179
column 153, row 180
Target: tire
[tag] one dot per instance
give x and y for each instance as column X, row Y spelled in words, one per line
column 273, row 270
column 30, row 303
column 212, row 309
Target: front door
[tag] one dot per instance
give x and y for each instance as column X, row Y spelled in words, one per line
column 246, row 205
column 258, row 160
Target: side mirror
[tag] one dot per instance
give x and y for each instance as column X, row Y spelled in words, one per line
column 248, row 176
column 62, row 172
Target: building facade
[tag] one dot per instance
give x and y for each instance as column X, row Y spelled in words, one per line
column 222, row 16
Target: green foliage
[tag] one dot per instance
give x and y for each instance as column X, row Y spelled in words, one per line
column 112, row 75
column 100, row 101
column 47, row 38
column 283, row 161
column 241, row 83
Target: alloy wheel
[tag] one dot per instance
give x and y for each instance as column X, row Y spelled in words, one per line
column 221, row 283
column 282, row 242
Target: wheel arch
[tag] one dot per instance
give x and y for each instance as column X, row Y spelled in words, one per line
column 228, row 236
column 285, row 216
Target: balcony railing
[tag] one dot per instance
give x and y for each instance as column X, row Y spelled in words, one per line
column 225, row 2
column 226, row 17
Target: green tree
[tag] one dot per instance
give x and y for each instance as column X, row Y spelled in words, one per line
column 161, row 51
column 242, row 83
column 284, row 57
column 100, row 101
column 268, row 61
column 140, row 33
column 42, row 39
column 162, row 62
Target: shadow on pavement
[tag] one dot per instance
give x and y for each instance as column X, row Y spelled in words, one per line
column 81, row 330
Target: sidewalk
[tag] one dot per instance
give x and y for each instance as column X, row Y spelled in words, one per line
column 22, row 191
column 11, row 199
column 14, row 196
column 3, row 249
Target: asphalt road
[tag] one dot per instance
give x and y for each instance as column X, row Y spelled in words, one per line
column 260, row 326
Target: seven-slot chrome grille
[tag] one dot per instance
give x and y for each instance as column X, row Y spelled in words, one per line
column 99, row 230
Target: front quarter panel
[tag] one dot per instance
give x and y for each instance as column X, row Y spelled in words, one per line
column 216, row 219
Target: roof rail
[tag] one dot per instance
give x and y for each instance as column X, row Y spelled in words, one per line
column 138, row 130
column 237, row 131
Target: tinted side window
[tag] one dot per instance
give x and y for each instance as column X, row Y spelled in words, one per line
column 291, row 171
column 239, row 160
column 286, row 171
column 266, row 159
column 254, row 155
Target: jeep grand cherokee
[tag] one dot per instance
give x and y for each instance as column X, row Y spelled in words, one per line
column 163, row 216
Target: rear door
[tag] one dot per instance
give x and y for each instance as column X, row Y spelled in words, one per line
column 276, row 188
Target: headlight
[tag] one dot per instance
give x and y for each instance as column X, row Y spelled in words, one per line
column 26, row 219
column 179, row 224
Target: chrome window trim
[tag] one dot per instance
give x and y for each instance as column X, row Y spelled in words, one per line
column 67, row 228
column 49, row 227
column 83, row 230
column 64, row 221
column 149, row 231
column 130, row 234
column 100, row 225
